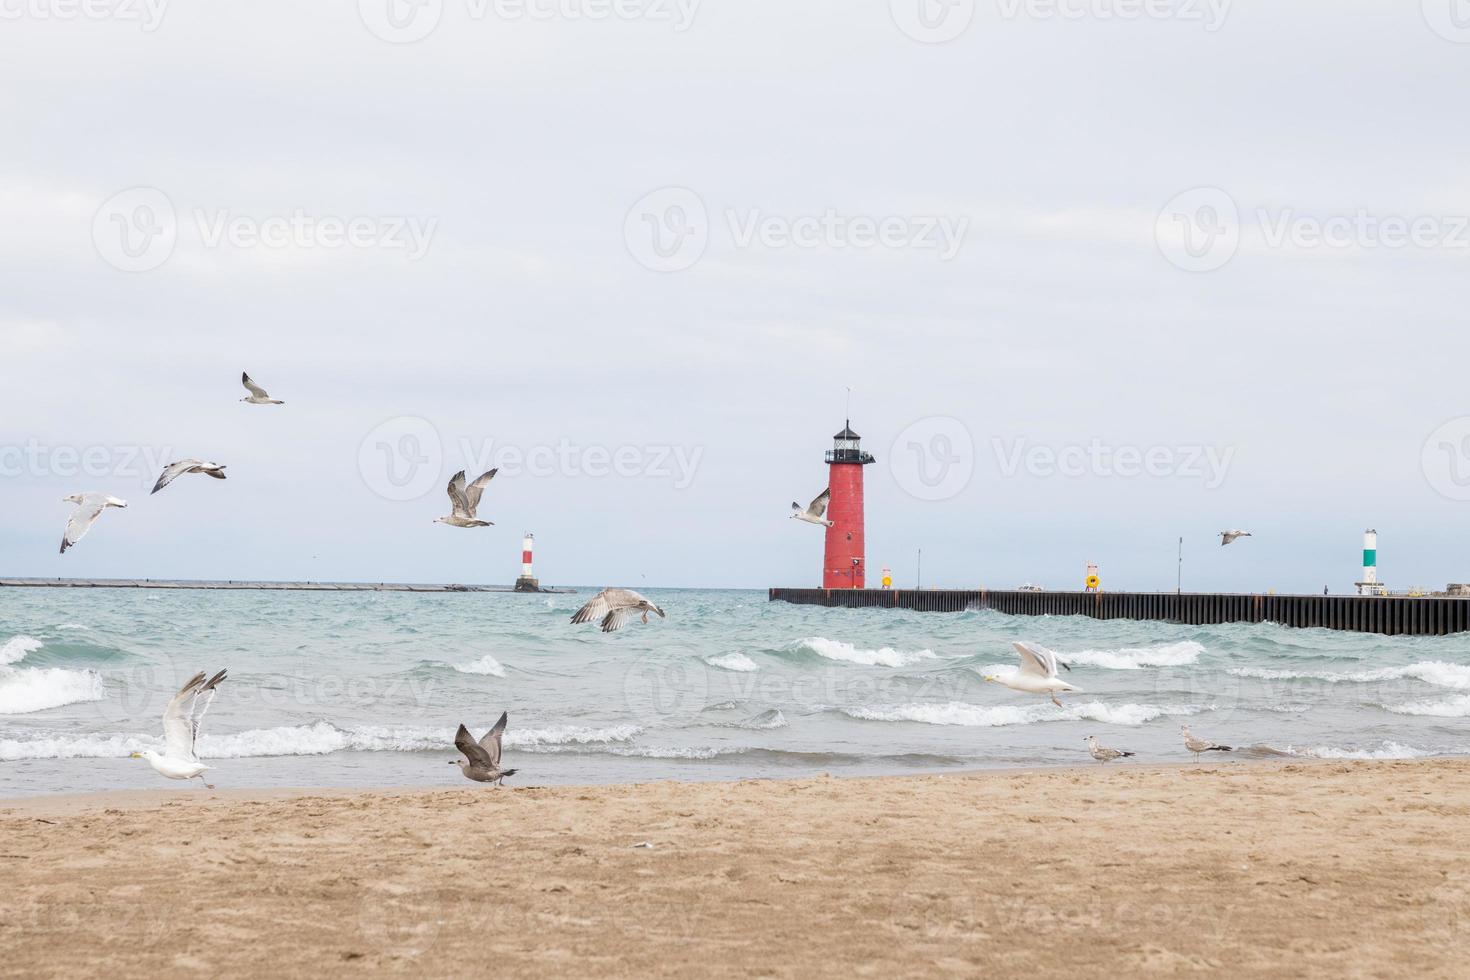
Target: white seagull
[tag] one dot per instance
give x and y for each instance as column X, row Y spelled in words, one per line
column 614, row 607
column 1198, row 745
column 181, row 721
column 481, row 760
column 465, row 500
column 814, row 510
column 90, row 506
column 258, row 394
column 1102, row 753
column 1038, row 673
column 173, row 470
column 1228, row 537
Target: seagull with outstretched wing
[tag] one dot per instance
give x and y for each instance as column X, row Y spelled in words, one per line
column 258, row 395
column 814, row 510
column 90, row 506
column 173, row 471
column 464, row 500
column 181, row 721
column 481, row 760
column 1037, row 674
column 613, row 608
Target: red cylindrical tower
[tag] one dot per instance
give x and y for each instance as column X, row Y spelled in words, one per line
column 842, row 563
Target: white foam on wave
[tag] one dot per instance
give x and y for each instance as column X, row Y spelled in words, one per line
column 977, row 716
column 320, row 738
column 485, row 665
column 1455, row 707
column 1179, row 654
column 25, row 690
column 733, row 661
column 847, row 652
column 17, row 648
column 1435, row 672
column 765, row 721
column 1388, row 750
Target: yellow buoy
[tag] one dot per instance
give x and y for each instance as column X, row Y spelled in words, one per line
column 1093, row 581
column 887, row 582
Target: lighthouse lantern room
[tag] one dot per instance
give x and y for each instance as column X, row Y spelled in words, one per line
column 842, row 563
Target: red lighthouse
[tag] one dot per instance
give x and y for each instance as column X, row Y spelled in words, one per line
column 842, row 564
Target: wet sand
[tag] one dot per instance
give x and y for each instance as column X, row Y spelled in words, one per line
column 1266, row 869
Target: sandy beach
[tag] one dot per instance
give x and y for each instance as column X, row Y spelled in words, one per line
column 1327, row 869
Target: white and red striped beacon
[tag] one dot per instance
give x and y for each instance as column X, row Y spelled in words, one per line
column 527, row 582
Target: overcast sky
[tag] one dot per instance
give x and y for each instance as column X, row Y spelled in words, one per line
column 1099, row 273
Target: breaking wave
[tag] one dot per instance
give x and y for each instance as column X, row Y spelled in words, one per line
column 976, row 716
column 733, row 661
column 1179, row 654
column 1387, row 750
column 1456, row 707
column 485, row 665
column 848, row 653
column 17, row 648
column 1434, row 672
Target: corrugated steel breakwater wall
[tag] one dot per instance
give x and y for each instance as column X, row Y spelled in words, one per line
column 1390, row 616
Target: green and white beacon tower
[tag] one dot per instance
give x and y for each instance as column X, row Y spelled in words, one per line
column 1370, row 584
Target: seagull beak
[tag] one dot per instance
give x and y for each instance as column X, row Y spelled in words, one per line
column 136, row 755
column 989, row 679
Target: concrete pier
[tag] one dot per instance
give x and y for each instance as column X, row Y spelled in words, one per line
column 1387, row 615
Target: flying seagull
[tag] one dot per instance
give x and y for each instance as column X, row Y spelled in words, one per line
column 482, row 759
column 90, row 506
column 614, row 607
column 814, row 510
column 1038, row 673
column 173, row 470
column 181, row 721
column 1228, row 537
column 1198, row 745
column 1102, row 753
column 465, row 500
column 258, row 394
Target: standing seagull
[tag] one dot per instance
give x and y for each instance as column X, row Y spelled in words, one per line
column 172, row 470
column 614, row 607
column 482, row 759
column 90, row 506
column 181, row 720
column 814, row 511
column 1198, row 745
column 1102, row 753
column 1038, row 673
column 465, row 500
column 258, row 394
column 1228, row 537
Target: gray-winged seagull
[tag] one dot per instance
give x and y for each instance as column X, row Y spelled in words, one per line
column 814, row 510
column 181, row 721
column 1229, row 537
column 1038, row 673
column 465, row 500
column 1198, row 745
column 90, row 506
column 258, row 394
column 1101, row 752
column 482, row 759
column 174, row 470
column 614, row 608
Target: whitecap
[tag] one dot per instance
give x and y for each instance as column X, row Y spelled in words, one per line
column 1456, row 707
column 1387, row 750
column 1434, row 672
column 17, row 648
column 847, row 652
column 485, row 665
column 1179, row 654
column 766, row 720
column 977, row 716
column 733, row 661
column 38, row 689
